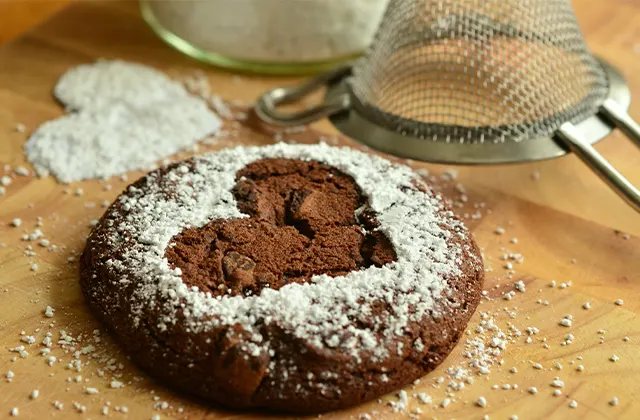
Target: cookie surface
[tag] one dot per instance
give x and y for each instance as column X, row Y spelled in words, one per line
column 298, row 278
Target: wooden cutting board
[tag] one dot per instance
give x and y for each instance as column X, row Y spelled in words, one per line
column 569, row 227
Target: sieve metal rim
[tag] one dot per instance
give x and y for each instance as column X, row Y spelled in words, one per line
column 360, row 127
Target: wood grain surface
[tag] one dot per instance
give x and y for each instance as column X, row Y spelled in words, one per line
column 568, row 225
column 17, row 16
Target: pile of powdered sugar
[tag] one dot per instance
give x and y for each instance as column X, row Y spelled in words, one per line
column 410, row 218
column 124, row 117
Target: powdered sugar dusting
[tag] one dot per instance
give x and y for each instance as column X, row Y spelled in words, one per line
column 129, row 116
column 319, row 311
column 99, row 84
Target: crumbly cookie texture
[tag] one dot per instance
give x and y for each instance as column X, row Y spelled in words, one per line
column 316, row 342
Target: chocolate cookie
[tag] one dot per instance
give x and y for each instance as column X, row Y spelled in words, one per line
column 297, row 278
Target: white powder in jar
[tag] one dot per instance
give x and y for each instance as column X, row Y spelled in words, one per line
column 273, row 30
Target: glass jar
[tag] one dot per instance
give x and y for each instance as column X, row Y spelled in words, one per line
column 267, row 36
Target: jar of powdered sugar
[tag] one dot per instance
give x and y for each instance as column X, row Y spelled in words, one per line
column 267, row 36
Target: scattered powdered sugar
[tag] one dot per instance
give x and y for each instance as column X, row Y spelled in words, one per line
column 116, row 384
column 317, row 311
column 129, row 116
column 49, row 312
column 565, row 322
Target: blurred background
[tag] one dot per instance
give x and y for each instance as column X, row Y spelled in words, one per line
column 20, row 15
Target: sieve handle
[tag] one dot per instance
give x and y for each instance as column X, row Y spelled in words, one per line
column 267, row 104
column 572, row 137
column 619, row 117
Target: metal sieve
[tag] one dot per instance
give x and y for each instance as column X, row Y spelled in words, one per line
column 474, row 82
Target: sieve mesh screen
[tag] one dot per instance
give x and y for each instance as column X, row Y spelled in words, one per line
column 476, row 71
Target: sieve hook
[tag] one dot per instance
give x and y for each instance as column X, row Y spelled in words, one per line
column 573, row 139
column 267, row 104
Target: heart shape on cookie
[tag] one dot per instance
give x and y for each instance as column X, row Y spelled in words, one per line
column 302, row 223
